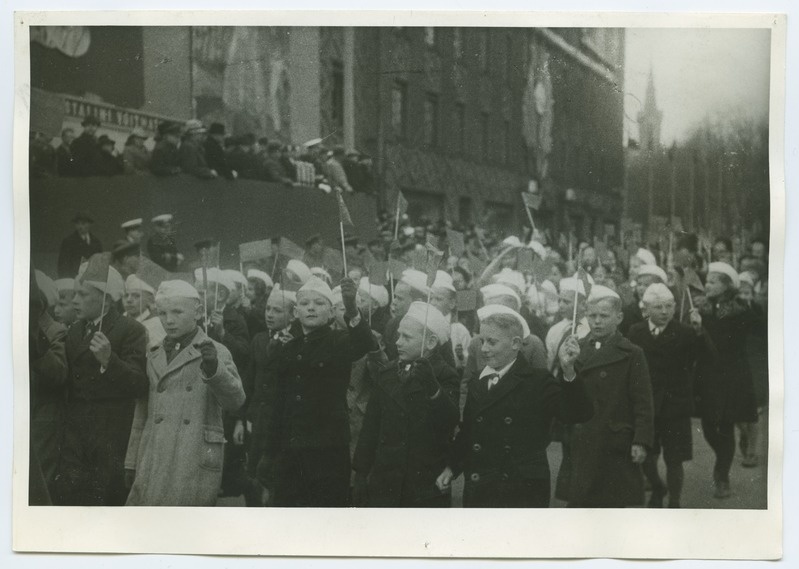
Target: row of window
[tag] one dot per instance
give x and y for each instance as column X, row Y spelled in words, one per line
column 431, row 126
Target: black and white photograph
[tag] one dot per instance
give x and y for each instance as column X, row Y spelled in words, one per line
column 463, row 270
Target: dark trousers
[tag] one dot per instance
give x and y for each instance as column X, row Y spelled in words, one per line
column 92, row 466
column 721, row 438
column 313, row 477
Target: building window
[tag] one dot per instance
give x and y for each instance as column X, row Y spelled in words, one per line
column 459, row 128
column 482, row 49
column 337, row 112
column 484, row 136
column 399, row 92
column 431, row 120
column 457, row 44
column 430, row 36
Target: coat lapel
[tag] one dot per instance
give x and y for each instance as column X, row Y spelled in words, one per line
column 487, row 397
column 186, row 355
column 608, row 354
column 391, row 384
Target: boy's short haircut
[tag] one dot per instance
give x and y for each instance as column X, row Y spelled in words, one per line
column 505, row 322
column 612, row 300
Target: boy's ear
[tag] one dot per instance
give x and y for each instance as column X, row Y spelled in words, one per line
column 516, row 343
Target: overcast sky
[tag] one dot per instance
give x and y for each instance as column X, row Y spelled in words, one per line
column 697, row 71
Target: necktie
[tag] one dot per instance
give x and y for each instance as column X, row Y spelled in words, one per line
column 491, row 380
column 656, row 332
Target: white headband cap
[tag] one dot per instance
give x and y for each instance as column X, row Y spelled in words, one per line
column 491, row 309
column 436, row 323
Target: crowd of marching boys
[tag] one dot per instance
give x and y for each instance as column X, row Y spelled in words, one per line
column 295, row 392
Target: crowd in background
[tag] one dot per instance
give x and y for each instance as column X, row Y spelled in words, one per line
column 203, row 152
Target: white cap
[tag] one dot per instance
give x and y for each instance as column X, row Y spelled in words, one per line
column 657, row 292
column 508, row 276
column 415, row 279
column 113, row 286
column 598, row 292
column 655, row 271
column 214, row 275
column 443, row 280
column 377, row 292
column 538, row 248
column 337, row 298
column 65, row 284
column 260, row 275
column 549, row 288
column 572, row 285
column 725, row 269
column 278, row 292
column 134, row 283
column 495, row 290
column 132, row 223
column 321, row 273
column 646, row 256
column 236, row 276
column 300, row 269
column 436, row 323
column 176, row 289
column 47, row 286
column 318, row 286
column 512, row 241
column 746, row 277
column 163, row 218
column 491, row 309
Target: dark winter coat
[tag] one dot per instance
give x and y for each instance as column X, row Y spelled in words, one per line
column 73, row 250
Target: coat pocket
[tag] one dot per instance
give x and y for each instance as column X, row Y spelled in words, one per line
column 213, row 448
column 620, row 438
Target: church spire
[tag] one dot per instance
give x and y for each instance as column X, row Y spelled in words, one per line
column 650, row 117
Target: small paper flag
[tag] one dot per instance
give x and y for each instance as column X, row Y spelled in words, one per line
column 343, row 212
column 532, row 201
column 255, row 250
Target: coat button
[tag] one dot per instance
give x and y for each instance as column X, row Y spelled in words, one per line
column 299, row 357
column 603, row 374
column 476, row 447
column 508, row 420
column 475, row 477
column 189, row 388
column 480, row 419
column 504, row 476
column 507, row 448
column 158, row 420
column 186, row 421
column 298, row 398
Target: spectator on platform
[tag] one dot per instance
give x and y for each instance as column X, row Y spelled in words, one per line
column 42, row 156
column 273, row 169
column 85, row 150
column 244, row 157
column 65, row 161
column 166, row 158
column 215, row 155
column 192, row 153
column 135, row 156
column 334, row 171
column 79, row 245
column 109, row 163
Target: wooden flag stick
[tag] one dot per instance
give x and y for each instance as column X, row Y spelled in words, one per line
column 682, row 305
column 426, row 312
column 343, row 247
column 690, row 298
column 532, row 223
column 205, row 289
column 369, row 284
column 102, row 306
column 219, row 270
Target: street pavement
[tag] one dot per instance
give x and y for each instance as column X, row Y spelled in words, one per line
column 748, row 485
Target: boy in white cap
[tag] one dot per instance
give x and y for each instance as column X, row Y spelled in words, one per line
column 559, row 331
column 444, row 297
column 412, row 287
column 634, row 311
column 295, row 274
column 414, row 408
column 259, row 287
column 106, row 357
column 176, row 450
column 672, row 350
column 64, row 311
column 501, row 444
column 603, row 470
column 139, row 303
column 373, row 302
column 308, row 437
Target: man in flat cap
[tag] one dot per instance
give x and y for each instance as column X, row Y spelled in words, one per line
column 215, row 156
column 413, row 407
column 166, row 158
column 176, row 449
column 85, row 150
column 77, row 246
column 106, row 358
column 162, row 246
column 308, row 439
column 135, row 156
column 192, row 152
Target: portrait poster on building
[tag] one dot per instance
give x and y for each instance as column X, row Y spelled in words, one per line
column 270, row 346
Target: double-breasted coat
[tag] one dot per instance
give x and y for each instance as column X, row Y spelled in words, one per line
column 501, row 444
column 73, row 249
column 600, row 471
column 99, row 411
column 177, row 440
column 405, row 437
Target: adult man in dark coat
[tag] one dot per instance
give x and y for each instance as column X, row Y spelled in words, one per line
column 192, row 153
column 215, row 155
column 166, row 158
column 65, row 161
column 501, row 445
column 106, row 357
column 410, row 419
column 308, row 439
column 607, row 451
column 77, row 246
column 85, row 151
column 672, row 350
